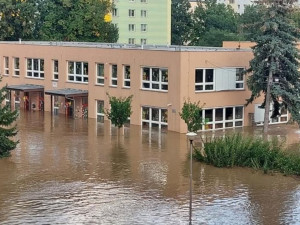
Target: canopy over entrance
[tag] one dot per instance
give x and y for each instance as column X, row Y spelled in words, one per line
column 68, row 92
column 26, row 87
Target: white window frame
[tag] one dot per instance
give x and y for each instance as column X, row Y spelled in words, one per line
column 144, row 13
column 99, row 77
column 6, row 65
column 16, row 66
column 153, row 83
column 113, row 79
column 126, row 80
column 238, row 81
column 131, row 41
column 55, row 69
column 144, row 27
column 204, row 83
column 131, row 12
column 260, row 112
column 35, row 73
column 235, row 120
column 100, row 114
column 160, row 123
column 80, row 77
column 131, row 27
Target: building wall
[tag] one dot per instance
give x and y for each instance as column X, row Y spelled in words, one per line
column 158, row 21
column 180, row 62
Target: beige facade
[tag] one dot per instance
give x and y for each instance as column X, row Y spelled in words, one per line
column 159, row 78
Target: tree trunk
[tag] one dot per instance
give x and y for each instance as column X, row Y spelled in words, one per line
column 268, row 96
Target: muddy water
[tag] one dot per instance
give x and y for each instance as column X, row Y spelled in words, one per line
column 67, row 171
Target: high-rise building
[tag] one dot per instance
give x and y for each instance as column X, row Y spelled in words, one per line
column 143, row 21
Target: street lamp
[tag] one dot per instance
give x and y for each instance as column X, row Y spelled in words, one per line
column 191, row 136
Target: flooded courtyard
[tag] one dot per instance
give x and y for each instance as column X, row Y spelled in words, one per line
column 74, row 171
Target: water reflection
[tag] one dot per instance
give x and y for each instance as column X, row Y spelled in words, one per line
column 68, row 171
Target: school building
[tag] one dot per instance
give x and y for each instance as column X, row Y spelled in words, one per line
column 73, row 78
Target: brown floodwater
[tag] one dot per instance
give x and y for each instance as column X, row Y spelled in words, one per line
column 74, row 171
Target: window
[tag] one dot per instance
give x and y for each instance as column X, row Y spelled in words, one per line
column 204, row 79
column 126, row 76
column 143, row 27
column 131, row 27
column 114, row 75
column 154, row 117
column 143, row 41
column 78, row 72
column 143, row 13
column 100, row 74
column 143, row 1
column 16, row 66
column 239, row 81
column 35, row 68
column 100, row 111
column 115, row 12
column 231, row 1
column 155, row 78
column 219, row 118
column 55, row 69
column 6, row 65
column 131, row 12
column 131, row 41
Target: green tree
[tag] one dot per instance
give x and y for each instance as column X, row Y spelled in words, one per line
column 274, row 68
column 191, row 114
column 120, row 110
column 7, row 129
column 181, row 22
column 76, row 20
column 210, row 19
column 18, row 19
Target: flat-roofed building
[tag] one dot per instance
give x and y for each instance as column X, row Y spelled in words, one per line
column 73, row 78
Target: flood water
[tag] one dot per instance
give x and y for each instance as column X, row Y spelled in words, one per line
column 67, row 171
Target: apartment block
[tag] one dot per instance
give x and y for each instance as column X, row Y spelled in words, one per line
column 73, row 79
column 143, row 22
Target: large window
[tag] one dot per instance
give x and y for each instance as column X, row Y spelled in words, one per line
column 55, row 69
column 204, row 80
column 225, row 117
column 126, row 70
column 16, row 67
column 154, row 117
column 100, row 73
column 114, row 75
column 100, row 111
column 6, row 65
column 78, row 72
column 155, row 78
column 35, row 68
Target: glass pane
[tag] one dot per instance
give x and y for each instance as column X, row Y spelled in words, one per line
column 36, row 64
column 283, row 119
column 71, row 67
column 127, row 72
column 79, row 79
column 208, row 115
column 164, row 87
column 36, row 74
column 78, row 68
column 155, row 86
column 239, row 85
column 199, row 76
column 228, row 113
column 239, row 123
column 218, row 125
column 114, row 82
column 155, row 114
column 239, row 112
column 155, row 74
column 100, row 106
column 164, row 75
column 145, row 114
column 127, row 83
column 71, row 78
column 29, row 64
column 209, row 76
column 219, row 115
column 283, row 111
column 41, row 74
column 100, row 70
column 100, row 119
column 17, row 63
column 85, row 68
column 209, row 87
column 55, row 66
column 230, row 124
column 199, row 87
column 86, row 79
column 29, row 74
column 164, row 115
column 146, row 74
column 100, row 81
column 114, row 71
column 42, row 65
column 239, row 75
column 146, row 85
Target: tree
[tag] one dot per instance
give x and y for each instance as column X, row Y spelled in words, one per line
column 18, row 19
column 213, row 20
column 120, row 110
column 181, row 22
column 274, row 68
column 191, row 114
column 77, row 20
column 7, row 129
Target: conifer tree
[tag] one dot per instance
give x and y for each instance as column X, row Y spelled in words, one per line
column 7, row 128
column 274, row 68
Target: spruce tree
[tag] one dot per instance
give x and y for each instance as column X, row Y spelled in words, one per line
column 274, row 68
column 7, row 128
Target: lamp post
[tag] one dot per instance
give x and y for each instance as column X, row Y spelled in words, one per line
column 191, row 136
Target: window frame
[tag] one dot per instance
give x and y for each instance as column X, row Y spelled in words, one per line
column 40, row 71
column 144, row 13
column 131, row 41
column 113, row 79
column 82, row 75
column 16, row 68
column 6, row 65
column 126, row 80
column 144, row 27
column 55, row 69
column 100, row 77
column 239, row 71
column 160, row 123
column 131, row 27
column 131, row 12
column 151, row 83
column 204, row 83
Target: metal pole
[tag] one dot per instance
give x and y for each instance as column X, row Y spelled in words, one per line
column 191, row 173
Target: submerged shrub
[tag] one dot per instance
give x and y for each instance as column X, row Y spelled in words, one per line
column 236, row 150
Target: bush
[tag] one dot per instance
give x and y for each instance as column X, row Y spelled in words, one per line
column 251, row 152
